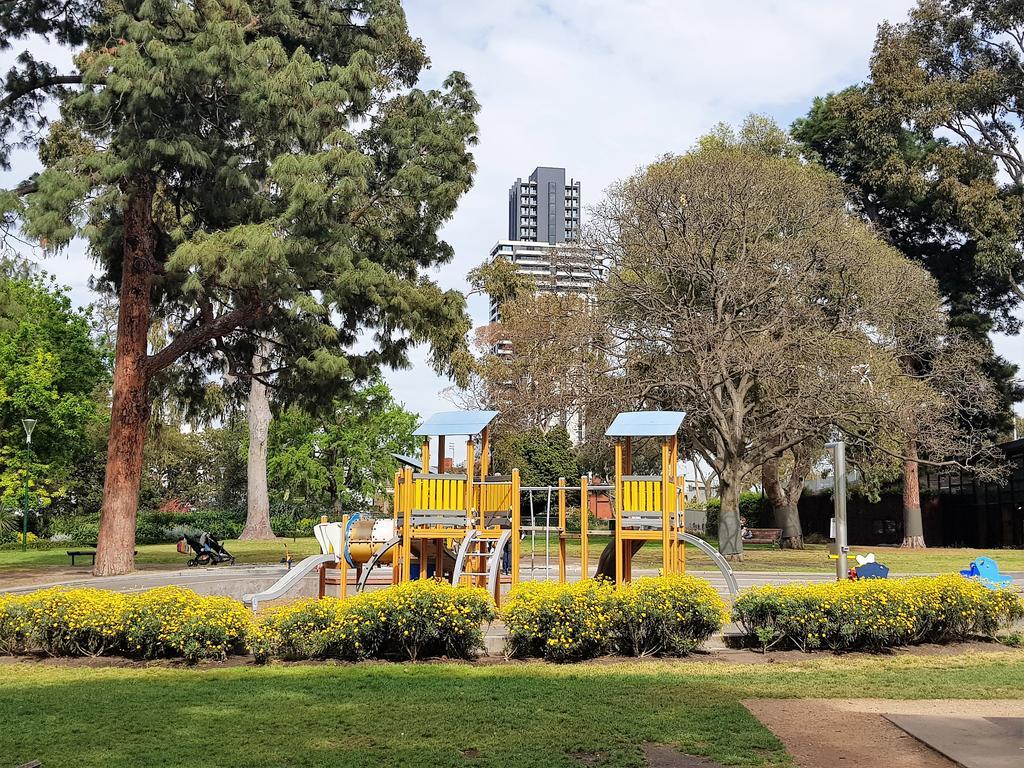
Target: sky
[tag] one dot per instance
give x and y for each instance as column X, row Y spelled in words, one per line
column 602, row 88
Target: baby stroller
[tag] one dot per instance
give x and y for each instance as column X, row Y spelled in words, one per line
column 208, row 550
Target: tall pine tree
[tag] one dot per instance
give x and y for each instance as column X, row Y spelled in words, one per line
column 246, row 171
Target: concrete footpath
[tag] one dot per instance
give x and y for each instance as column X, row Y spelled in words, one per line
column 939, row 733
column 237, row 580
column 971, row 740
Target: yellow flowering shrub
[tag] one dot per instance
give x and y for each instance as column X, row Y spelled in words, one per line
column 66, row 622
column 408, row 621
column 560, row 622
column 165, row 622
column 872, row 614
column 171, row 621
column 667, row 615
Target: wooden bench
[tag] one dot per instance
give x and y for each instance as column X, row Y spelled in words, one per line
column 763, row 536
column 90, row 553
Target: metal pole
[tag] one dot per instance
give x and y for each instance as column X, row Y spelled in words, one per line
column 28, row 425
column 839, row 503
column 24, row 513
column 547, row 539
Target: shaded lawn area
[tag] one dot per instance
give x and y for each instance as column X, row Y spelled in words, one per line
column 756, row 557
column 444, row 714
column 163, row 554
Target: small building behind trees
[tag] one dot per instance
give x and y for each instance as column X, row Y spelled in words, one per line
column 958, row 509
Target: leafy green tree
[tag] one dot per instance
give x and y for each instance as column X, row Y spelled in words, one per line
column 541, row 456
column 246, row 170
column 51, row 370
column 339, row 458
column 891, row 172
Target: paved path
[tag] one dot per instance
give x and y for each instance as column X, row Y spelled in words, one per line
column 240, row 579
column 970, row 741
column 939, row 733
column 237, row 580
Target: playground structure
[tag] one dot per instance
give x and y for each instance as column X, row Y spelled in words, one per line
column 647, row 507
column 460, row 526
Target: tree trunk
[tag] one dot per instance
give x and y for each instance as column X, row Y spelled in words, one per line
column 257, row 516
column 705, row 480
column 130, row 409
column 785, row 498
column 913, row 525
column 730, row 538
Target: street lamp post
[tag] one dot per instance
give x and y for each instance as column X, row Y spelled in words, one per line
column 29, row 425
column 839, row 502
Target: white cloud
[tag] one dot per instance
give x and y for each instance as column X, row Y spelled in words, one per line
column 602, row 87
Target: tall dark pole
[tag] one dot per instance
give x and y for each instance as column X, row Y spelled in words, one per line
column 29, row 425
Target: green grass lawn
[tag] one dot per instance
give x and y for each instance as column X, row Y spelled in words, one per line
column 443, row 714
column 756, row 558
column 164, row 554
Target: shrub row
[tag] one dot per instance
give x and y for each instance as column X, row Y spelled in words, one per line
column 408, row 621
column 167, row 622
column 666, row 616
column 417, row 619
column 167, row 527
column 873, row 614
column 669, row 616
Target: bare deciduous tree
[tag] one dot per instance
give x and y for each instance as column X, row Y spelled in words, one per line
column 741, row 291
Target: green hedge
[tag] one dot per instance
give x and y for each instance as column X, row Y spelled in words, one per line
column 156, row 527
column 667, row 615
column 753, row 506
column 873, row 614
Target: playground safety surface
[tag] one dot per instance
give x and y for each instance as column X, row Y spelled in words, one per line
column 944, row 733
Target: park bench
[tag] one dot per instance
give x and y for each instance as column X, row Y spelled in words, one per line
column 763, row 536
column 90, row 553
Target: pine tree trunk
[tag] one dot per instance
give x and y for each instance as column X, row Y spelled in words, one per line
column 130, row 409
column 257, row 517
column 913, row 524
column 730, row 538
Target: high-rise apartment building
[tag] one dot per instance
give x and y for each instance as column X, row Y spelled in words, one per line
column 544, row 208
column 543, row 231
column 543, row 243
column 557, row 268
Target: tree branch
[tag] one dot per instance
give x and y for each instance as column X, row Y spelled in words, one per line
column 38, row 85
column 190, row 340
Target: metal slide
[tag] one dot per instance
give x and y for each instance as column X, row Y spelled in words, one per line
column 716, row 558
column 374, row 559
column 447, row 564
column 290, row 580
column 606, row 565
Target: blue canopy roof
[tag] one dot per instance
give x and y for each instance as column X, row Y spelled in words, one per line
column 408, row 461
column 646, row 424
column 456, row 423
